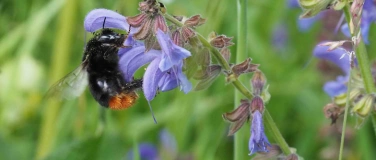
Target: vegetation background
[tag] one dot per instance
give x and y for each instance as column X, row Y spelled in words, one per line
column 42, row 40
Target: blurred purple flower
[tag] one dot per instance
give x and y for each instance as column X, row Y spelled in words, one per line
column 368, row 17
column 165, row 69
column 304, row 24
column 168, row 140
column 147, row 151
column 258, row 141
column 293, row 3
column 337, row 87
column 280, row 37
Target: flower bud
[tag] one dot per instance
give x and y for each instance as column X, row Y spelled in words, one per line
column 363, row 106
column 187, row 33
column 226, row 54
column 356, row 13
column 241, row 68
column 194, row 21
column 338, row 4
column 258, row 82
column 238, row 116
column 221, row 41
column 340, row 100
column 313, row 7
column 176, row 38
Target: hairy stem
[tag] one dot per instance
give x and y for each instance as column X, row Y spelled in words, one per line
column 240, row 87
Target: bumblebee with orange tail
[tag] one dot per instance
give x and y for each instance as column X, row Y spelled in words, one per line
column 100, row 70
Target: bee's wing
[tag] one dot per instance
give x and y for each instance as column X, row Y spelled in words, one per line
column 70, row 86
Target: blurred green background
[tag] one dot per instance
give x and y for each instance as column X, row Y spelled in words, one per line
column 41, row 41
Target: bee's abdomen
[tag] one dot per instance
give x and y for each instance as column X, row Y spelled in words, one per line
column 122, row 101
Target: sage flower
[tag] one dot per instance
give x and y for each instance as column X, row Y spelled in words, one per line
column 336, row 56
column 258, row 141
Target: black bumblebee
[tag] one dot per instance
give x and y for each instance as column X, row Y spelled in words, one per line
column 100, row 69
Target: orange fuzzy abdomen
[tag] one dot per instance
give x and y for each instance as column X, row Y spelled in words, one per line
column 123, row 101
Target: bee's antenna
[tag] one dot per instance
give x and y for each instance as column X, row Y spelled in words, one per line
column 152, row 113
column 104, row 21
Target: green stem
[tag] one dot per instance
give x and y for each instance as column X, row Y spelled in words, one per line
column 239, row 86
column 240, row 145
column 362, row 57
column 365, row 70
column 373, row 117
column 345, row 118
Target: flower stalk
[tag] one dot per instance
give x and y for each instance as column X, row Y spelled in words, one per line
column 242, row 54
column 362, row 57
column 240, row 87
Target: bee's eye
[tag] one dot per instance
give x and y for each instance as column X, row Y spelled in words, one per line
column 108, row 38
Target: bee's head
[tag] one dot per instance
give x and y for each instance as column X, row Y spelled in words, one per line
column 109, row 37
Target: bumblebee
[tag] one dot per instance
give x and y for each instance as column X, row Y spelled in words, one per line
column 100, row 71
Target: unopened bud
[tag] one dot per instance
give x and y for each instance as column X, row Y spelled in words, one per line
column 226, row 54
column 340, row 100
column 363, row 107
column 187, row 33
column 176, row 38
column 245, row 67
column 194, row 21
column 238, row 116
column 339, row 4
column 258, row 82
column 313, row 7
column 221, row 41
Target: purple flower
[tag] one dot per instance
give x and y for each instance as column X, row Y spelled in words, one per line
column 165, row 69
column 147, row 151
column 337, row 87
column 368, row 17
column 258, row 141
